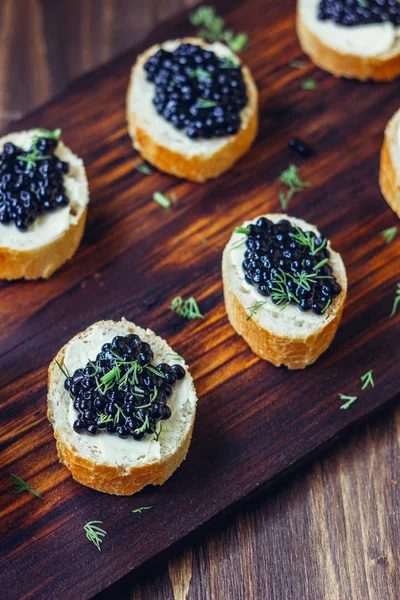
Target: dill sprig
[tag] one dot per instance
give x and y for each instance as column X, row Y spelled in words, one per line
column 54, row 134
column 298, row 64
column 157, row 434
column 204, row 103
column 63, row 369
column 163, row 200
column 291, row 178
column 141, row 509
column 309, row 84
column 253, row 309
column 103, row 418
column 143, row 169
column 200, row 74
column 188, row 309
column 32, row 158
column 228, row 62
column 211, row 28
column 396, row 302
column 175, row 356
column 389, row 234
column 367, row 379
column 306, row 238
column 245, row 231
column 350, row 401
column 22, row 486
column 94, row 533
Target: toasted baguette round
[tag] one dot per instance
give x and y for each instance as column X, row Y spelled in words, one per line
column 105, row 462
column 383, row 66
column 389, row 175
column 169, row 149
column 283, row 337
column 54, row 237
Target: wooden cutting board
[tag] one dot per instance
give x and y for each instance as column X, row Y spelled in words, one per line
column 254, row 422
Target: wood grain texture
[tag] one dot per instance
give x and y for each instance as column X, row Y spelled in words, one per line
column 46, row 44
column 125, row 266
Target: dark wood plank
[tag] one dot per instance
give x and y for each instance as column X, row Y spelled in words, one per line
column 131, row 249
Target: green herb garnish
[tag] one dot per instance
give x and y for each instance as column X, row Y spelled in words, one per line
column 200, row 74
column 155, row 372
column 188, row 309
column 141, row 509
column 389, row 234
column 175, row 356
column 228, row 62
column 212, row 29
column 309, row 84
column 104, row 418
column 291, row 178
column 63, row 369
column 144, row 426
column 396, row 303
column 253, row 309
column 157, row 434
column 298, row 64
column 350, row 401
column 144, row 169
column 21, row 486
column 48, row 133
column 94, row 533
column 163, row 201
column 308, row 239
column 32, row 158
column 367, row 380
column 203, row 103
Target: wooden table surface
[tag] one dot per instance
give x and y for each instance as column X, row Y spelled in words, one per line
column 328, row 533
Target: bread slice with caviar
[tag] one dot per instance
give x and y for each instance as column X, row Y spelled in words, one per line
column 357, row 40
column 122, row 405
column 43, row 204
column 284, row 288
column 389, row 177
column 192, row 108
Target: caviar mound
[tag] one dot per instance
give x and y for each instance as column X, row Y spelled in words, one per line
column 107, row 462
column 168, row 147
column 44, row 221
column 289, row 265
column 278, row 331
column 351, row 13
column 196, row 91
column 121, row 392
column 31, row 181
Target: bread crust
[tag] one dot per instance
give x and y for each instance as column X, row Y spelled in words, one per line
column 112, row 479
column 294, row 353
column 347, row 65
column 389, row 174
column 194, row 168
column 41, row 262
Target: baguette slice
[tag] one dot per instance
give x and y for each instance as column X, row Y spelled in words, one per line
column 283, row 337
column 169, row 149
column 389, row 176
column 384, row 65
column 55, row 236
column 105, row 462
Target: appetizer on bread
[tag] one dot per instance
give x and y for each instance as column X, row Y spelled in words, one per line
column 43, row 204
column 284, row 289
column 192, row 108
column 122, row 405
column 349, row 38
column 389, row 176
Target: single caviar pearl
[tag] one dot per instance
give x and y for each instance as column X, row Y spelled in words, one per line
column 300, row 147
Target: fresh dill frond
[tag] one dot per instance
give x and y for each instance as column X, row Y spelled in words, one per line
column 144, row 169
column 188, row 309
column 350, row 401
column 141, row 509
column 63, row 369
column 309, row 84
column 389, row 234
column 291, row 178
column 367, row 379
column 94, row 533
column 253, row 309
column 157, row 434
column 211, row 27
column 396, row 302
column 22, row 486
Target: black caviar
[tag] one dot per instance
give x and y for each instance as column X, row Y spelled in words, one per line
column 31, row 182
column 196, row 91
column 289, row 265
column 121, row 392
column 360, row 12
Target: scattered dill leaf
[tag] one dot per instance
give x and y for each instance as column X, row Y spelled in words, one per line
column 389, row 234
column 163, row 200
column 396, row 302
column 175, row 356
column 211, row 27
column 32, row 158
column 253, row 309
column 141, row 509
column 21, row 486
column 94, row 533
column 204, row 103
column 54, row 134
column 350, row 401
column 291, row 178
column 367, row 379
column 63, row 369
column 298, row 64
column 157, row 433
column 309, row 84
column 188, row 309
column 144, row 169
